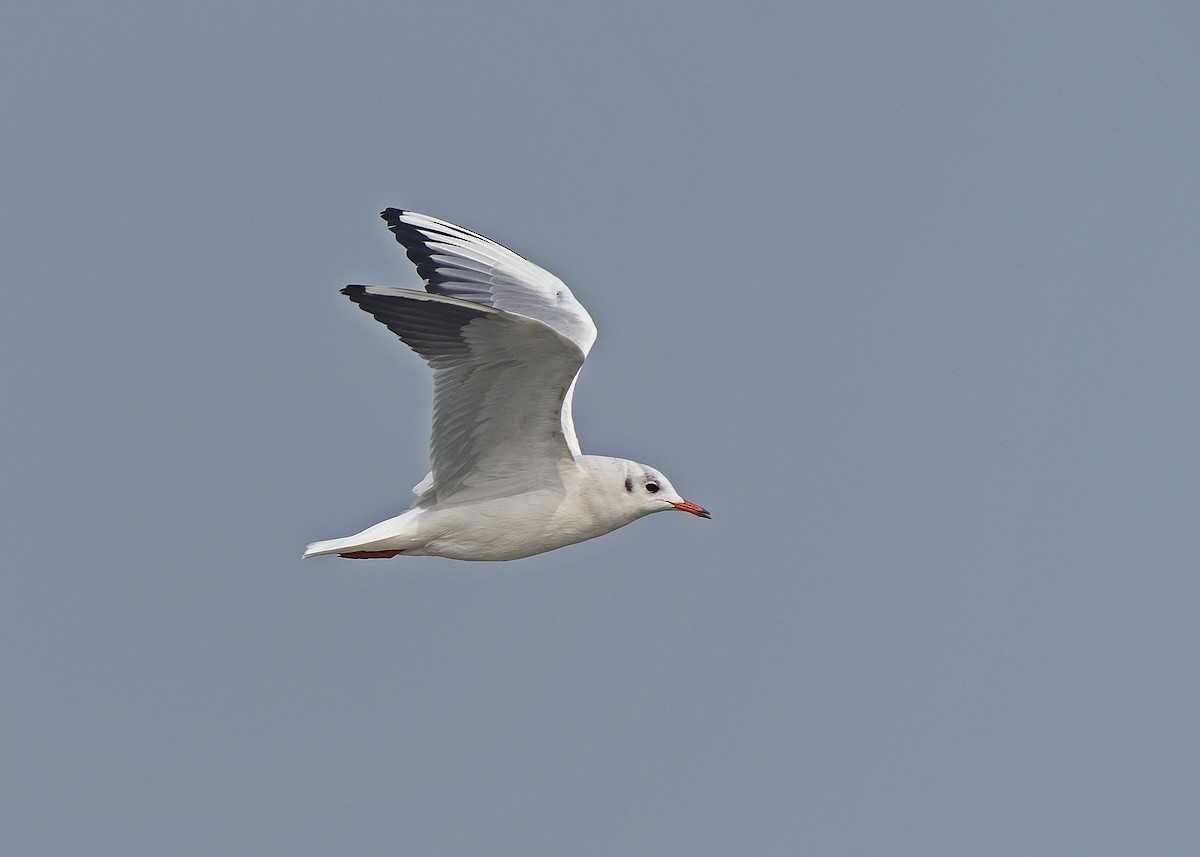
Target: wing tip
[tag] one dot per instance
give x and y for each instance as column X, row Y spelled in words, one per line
column 415, row 239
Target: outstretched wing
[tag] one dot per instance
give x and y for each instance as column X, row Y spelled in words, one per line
column 462, row 264
column 500, row 383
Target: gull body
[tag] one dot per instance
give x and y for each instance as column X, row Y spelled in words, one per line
column 506, row 340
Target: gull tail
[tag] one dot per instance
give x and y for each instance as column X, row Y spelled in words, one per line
column 387, row 539
column 351, row 545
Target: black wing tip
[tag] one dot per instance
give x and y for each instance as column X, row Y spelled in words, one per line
column 412, row 237
column 416, row 240
column 351, row 291
column 405, row 232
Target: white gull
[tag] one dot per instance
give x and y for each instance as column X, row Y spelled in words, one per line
column 505, row 340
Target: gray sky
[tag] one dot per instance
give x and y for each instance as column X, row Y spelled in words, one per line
column 905, row 294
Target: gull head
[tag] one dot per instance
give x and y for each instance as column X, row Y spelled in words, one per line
column 641, row 490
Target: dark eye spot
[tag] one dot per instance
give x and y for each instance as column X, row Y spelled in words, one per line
column 628, row 484
column 652, row 487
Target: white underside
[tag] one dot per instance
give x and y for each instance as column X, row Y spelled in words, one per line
column 502, row 528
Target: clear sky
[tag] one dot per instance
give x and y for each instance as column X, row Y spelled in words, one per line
column 905, row 294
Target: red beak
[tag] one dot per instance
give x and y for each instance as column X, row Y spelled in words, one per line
column 689, row 506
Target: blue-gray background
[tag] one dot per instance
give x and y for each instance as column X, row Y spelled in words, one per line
column 906, row 294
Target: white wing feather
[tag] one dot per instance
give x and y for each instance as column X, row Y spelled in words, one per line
column 459, row 263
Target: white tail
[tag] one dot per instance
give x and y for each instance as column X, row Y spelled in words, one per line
column 393, row 534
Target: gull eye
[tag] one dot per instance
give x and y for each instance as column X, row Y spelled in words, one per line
column 652, row 487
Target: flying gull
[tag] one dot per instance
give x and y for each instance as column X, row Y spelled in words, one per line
column 505, row 340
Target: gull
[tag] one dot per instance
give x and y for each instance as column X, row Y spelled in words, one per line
column 505, row 339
